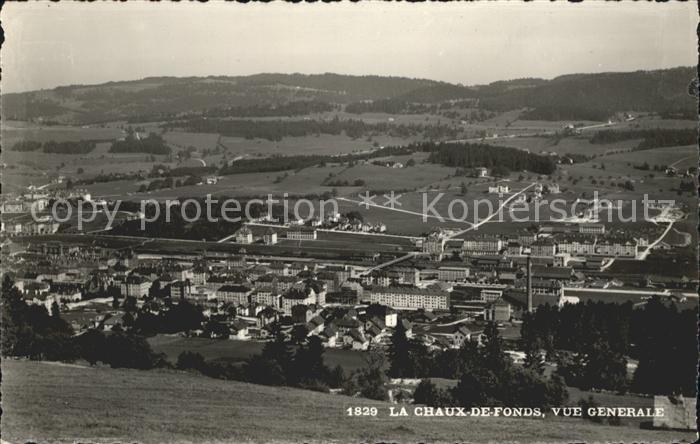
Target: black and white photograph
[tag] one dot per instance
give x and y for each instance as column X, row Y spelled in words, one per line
column 349, row 222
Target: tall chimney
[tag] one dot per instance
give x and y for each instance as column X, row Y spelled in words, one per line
column 529, row 284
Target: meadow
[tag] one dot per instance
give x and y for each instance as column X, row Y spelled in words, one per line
column 69, row 403
column 235, row 350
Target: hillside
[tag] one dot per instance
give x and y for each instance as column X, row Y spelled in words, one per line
column 64, row 403
column 599, row 96
column 577, row 96
column 164, row 96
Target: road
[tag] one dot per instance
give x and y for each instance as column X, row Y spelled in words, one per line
column 646, row 252
column 539, row 133
column 492, row 215
column 459, row 233
column 415, row 213
column 391, row 262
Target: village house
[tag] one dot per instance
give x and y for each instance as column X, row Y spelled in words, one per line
column 270, row 237
column 244, row 235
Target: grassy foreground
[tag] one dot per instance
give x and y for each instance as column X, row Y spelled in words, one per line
column 65, row 403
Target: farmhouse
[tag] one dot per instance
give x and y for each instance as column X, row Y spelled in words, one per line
column 244, row 235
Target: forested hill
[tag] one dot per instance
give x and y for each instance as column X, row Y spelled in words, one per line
column 598, row 96
column 165, row 96
column 570, row 97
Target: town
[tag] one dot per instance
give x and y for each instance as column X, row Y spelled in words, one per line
column 366, row 223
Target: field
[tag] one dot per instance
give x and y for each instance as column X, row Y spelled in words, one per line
column 62, row 403
column 233, row 350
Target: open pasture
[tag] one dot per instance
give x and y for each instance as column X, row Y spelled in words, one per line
column 68, row 403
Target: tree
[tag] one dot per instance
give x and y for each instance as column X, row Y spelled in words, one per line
column 55, row 310
column 130, row 351
column 309, row 368
column 273, row 365
column 475, row 389
column 92, row 346
column 426, row 393
column 299, row 333
column 493, row 357
column 371, row 380
column 533, row 357
column 399, row 353
column 190, row 360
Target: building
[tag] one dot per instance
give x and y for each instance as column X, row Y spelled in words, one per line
column 244, row 235
column 576, row 245
column 279, row 268
column 434, row 245
column 135, row 286
column 482, row 245
column 498, row 311
column 266, row 298
column 407, row 275
column 454, row 336
column 344, row 296
column 234, row 294
column 407, row 297
column 481, row 172
column 547, row 287
column 499, row 189
column 616, row 248
column 270, row 237
column 553, row 188
column 591, row 228
column 301, row 234
column 295, row 296
column 543, row 247
column 451, row 274
column 514, row 248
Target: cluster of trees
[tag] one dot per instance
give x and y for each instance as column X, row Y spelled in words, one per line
column 160, row 170
column 473, row 155
column 179, row 317
column 279, row 364
column 666, row 345
column 388, row 106
column 598, row 96
column 274, row 163
column 299, row 162
column 169, row 182
column 486, row 375
column 152, row 144
column 345, row 183
column 591, row 343
column 651, row 138
column 51, row 146
column 293, row 108
column 31, row 331
column 170, row 223
column 276, row 130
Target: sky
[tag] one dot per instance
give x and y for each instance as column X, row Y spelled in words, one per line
column 53, row 44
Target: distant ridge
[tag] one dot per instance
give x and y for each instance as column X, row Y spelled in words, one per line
column 572, row 96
